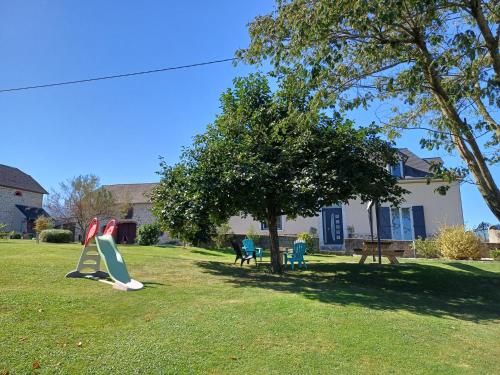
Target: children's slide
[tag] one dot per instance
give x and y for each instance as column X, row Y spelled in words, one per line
column 115, row 263
column 104, row 247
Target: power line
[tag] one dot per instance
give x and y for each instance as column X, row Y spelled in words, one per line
column 118, row 75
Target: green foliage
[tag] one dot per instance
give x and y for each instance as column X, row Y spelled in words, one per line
column 42, row 223
column 309, row 240
column 264, row 156
column 15, row 235
column 437, row 60
column 181, row 207
column 252, row 234
column 426, row 248
column 455, row 242
column 221, row 238
column 149, row 234
column 495, row 254
column 56, row 236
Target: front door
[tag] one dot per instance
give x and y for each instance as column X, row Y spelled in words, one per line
column 333, row 233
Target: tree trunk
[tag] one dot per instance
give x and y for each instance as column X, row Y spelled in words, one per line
column 462, row 135
column 276, row 263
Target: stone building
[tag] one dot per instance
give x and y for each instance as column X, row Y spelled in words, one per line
column 21, row 198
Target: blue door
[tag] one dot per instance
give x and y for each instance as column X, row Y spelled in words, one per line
column 333, row 233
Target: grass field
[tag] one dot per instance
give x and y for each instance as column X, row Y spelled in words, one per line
column 199, row 313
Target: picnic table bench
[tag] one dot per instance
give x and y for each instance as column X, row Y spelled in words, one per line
column 371, row 247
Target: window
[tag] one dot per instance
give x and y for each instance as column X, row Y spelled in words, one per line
column 397, row 170
column 264, row 226
column 401, row 223
column 18, row 193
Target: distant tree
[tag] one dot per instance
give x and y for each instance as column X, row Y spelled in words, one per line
column 438, row 59
column 125, row 208
column 42, row 223
column 79, row 200
column 269, row 154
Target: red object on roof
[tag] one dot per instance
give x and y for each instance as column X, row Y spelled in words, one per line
column 92, row 230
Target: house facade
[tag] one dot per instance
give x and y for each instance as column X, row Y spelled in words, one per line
column 21, row 200
column 133, row 207
column 422, row 213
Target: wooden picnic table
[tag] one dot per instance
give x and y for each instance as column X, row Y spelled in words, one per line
column 371, row 247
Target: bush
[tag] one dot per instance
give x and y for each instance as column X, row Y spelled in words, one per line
column 253, row 235
column 221, row 237
column 42, row 223
column 426, row 248
column 309, row 240
column 15, row 236
column 149, row 234
column 56, row 235
column 457, row 243
column 495, row 254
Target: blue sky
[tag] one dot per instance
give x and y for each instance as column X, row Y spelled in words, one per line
column 116, row 129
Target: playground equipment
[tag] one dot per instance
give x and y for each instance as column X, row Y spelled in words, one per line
column 104, row 247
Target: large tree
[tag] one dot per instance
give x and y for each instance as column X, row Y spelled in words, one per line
column 79, row 200
column 270, row 154
column 437, row 60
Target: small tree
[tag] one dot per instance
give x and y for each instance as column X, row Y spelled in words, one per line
column 79, row 200
column 42, row 223
column 269, row 154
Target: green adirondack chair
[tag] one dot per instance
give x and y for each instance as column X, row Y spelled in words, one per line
column 299, row 249
column 250, row 249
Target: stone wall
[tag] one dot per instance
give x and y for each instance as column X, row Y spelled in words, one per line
column 10, row 214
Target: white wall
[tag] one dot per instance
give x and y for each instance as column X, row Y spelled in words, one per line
column 241, row 225
column 438, row 210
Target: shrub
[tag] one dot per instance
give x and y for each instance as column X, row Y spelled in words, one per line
column 495, row 254
column 56, row 235
column 309, row 240
column 426, row 248
column 15, row 236
column 220, row 239
column 457, row 243
column 253, row 235
column 42, row 223
column 149, row 234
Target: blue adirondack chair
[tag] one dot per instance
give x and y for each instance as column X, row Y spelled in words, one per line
column 299, row 249
column 250, row 249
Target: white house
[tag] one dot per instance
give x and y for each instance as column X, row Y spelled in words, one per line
column 421, row 215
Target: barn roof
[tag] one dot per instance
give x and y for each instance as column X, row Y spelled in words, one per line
column 132, row 193
column 14, row 178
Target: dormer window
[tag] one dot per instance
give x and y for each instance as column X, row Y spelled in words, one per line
column 397, row 170
column 18, row 193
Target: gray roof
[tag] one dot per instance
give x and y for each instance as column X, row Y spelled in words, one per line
column 132, row 193
column 416, row 167
column 32, row 213
column 14, row 178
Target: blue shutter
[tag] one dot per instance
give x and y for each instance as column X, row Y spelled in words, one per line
column 419, row 221
column 384, row 216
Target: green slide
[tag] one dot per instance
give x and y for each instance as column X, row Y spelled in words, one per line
column 115, row 263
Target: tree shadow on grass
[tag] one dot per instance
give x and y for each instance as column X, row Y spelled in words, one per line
column 418, row 288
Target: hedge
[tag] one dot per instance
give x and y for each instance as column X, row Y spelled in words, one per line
column 56, row 235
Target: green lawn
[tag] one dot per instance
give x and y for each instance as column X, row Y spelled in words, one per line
column 199, row 313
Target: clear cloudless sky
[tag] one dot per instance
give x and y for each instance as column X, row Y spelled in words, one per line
column 118, row 128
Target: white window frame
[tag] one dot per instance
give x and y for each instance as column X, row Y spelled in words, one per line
column 401, row 222
column 264, row 226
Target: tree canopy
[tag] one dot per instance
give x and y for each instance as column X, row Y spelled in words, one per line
column 270, row 154
column 437, row 60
